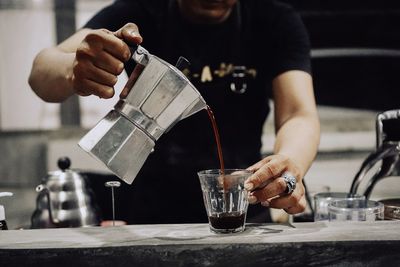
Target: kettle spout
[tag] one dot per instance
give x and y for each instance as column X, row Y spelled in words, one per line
column 195, row 107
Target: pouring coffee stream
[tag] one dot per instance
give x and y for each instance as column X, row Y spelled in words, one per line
column 219, row 150
column 156, row 97
column 217, row 139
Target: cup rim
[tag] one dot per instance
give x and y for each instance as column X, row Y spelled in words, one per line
column 375, row 205
column 337, row 196
column 226, row 171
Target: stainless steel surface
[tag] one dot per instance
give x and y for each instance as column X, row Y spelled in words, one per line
column 158, row 96
column 64, row 200
column 387, row 153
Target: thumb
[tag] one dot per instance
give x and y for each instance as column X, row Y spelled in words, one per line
column 130, row 34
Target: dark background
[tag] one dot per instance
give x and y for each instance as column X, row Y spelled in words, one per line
column 356, row 51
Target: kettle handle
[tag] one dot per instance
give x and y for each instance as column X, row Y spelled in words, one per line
column 141, row 57
column 46, row 191
column 372, row 159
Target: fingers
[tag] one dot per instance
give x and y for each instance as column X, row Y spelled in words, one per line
column 258, row 165
column 286, row 201
column 89, row 79
column 108, row 63
column 300, row 207
column 292, row 203
column 99, row 60
column 105, row 40
column 90, row 87
column 274, row 188
column 268, row 168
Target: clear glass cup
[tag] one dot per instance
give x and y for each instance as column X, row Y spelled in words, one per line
column 225, row 199
column 355, row 210
column 322, row 200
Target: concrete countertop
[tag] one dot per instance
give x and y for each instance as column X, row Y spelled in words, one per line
column 299, row 244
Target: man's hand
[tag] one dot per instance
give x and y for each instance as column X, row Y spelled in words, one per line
column 268, row 186
column 100, row 58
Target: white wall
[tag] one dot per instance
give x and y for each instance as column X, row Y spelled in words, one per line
column 24, row 32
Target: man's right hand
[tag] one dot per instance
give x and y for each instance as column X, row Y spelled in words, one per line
column 100, row 58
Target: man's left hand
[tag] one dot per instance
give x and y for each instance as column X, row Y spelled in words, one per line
column 269, row 187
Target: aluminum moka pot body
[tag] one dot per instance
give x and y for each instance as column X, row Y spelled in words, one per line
column 156, row 96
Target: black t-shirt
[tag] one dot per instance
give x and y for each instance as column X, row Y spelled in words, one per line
column 262, row 39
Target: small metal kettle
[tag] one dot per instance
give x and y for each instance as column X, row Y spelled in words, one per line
column 64, row 200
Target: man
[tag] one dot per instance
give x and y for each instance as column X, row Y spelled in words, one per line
column 242, row 54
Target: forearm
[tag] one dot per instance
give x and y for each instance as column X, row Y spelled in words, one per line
column 295, row 149
column 298, row 138
column 51, row 75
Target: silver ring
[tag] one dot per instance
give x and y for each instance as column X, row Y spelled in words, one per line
column 290, row 182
